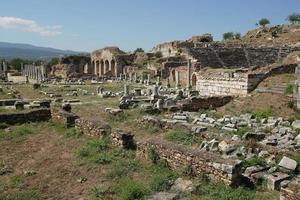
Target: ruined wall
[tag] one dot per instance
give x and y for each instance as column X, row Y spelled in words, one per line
column 26, row 116
column 92, row 128
column 195, row 103
column 63, row 117
column 8, row 102
column 225, row 85
column 178, row 156
column 241, row 56
column 109, row 61
column 237, row 84
column 71, row 66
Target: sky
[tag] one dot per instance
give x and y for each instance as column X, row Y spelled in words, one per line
column 86, row 25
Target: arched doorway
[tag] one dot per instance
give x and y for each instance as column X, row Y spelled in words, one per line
column 93, row 67
column 173, row 75
column 101, row 68
column 106, row 66
column 194, row 80
column 97, row 68
column 112, row 64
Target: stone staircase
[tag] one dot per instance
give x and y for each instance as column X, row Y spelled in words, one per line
column 276, row 89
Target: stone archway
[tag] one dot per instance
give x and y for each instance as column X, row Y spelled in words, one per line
column 194, row 80
column 173, row 75
column 106, row 66
column 94, row 67
column 101, row 68
column 97, row 68
column 113, row 67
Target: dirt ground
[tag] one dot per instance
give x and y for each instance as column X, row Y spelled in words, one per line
column 277, row 103
column 51, row 156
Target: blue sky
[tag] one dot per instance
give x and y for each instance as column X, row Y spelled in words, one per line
column 86, row 25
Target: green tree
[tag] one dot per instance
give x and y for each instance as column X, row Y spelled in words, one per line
column 237, row 36
column 158, row 54
column 139, row 50
column 17, row 62
column 53, row 61
column 294, row 18
column 228, row 35
column 263, row 22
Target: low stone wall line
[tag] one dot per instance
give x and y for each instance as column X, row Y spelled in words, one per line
column 26, row 116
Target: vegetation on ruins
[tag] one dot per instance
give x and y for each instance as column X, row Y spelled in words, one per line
column 289, row 89
column 261, row 114
column 231, row 35
column 228, row 35
column 294, row 18
column 181, row 136
column 263, row 22
column 138, row 50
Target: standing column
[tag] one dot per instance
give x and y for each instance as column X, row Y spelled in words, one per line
column 177, row 79
column 189, row 64
column 4, row 67
column 148, row 79
column 135, row 77
column 29, row 71
column 22, row 69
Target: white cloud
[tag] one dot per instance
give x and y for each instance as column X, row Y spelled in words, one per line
column 29, row 26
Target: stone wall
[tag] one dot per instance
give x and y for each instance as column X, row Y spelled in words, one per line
column 236, row 57
column 195, row 103
column 8, row 102
column 26, row 116
column 291, row 191
column 94, row 128
column 72, row 66
column 63, row 117
column 178, row 156
column 237, row 83
column 216, row 86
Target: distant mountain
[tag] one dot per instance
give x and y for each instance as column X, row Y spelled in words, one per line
column 27, row 51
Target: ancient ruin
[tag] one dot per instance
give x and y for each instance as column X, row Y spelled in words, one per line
column 190, row 119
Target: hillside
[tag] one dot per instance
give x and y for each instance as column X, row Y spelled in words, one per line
column 27, row 51
column 279, row 34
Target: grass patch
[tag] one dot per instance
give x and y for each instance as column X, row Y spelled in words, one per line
column 95, row 152
column 151, row 129
column 242, row 131
column 17, row 134
column 181, row 136
column 255, row 160
column 289, row 89
column 26, row 195
column 67, row 132
column 16, row 181
column 261, row 114
column 209, row 191
column 129, row 189
column 122, row 167
column 161, row 178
